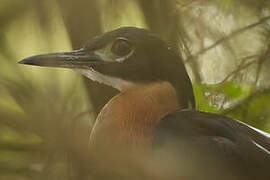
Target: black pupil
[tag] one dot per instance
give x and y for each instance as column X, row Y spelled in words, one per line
column 121, row 47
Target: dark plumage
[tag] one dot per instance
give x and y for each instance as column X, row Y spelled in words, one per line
column 152, row 61
column 147, row 117
column 215, row 142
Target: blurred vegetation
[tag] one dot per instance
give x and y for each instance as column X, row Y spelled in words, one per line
column 46, row 114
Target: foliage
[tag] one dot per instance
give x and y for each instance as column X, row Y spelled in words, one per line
column 44, row 114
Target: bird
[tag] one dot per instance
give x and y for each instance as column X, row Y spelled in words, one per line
column 151, row 128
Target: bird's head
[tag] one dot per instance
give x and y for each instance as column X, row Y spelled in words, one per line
column 124, row 58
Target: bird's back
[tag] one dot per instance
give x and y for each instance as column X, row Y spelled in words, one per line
column 212, row 146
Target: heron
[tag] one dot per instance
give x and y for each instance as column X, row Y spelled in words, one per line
column 151, row 128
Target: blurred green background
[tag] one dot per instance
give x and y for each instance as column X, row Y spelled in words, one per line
column 46, row 114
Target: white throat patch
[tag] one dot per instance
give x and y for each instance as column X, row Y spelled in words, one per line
column 116, row 83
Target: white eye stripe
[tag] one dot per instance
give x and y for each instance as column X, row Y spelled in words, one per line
column 123, row 58
column 115, row 82
column 107, row 55
column 104, row 57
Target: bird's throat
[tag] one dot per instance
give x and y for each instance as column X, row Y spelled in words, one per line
column 130, row 117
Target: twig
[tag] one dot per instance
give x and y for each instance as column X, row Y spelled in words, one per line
column 230, row 36
column 240, row 68
column 261, row 60
column 22, row 147
column 246, row 100
column 233, row 73
column 184, row 5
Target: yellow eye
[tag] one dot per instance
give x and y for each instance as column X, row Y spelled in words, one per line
column 121, row 47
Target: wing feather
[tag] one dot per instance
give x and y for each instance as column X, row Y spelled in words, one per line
column 209, row 141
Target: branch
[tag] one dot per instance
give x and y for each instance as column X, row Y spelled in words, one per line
column 240, row 68
column 261, row 61
column 22, row 147
column 185, row 5
column 246, row 100
column 230, row 36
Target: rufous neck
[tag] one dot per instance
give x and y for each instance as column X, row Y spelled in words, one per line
column 131, row 116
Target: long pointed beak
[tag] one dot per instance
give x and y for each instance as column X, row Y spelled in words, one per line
column 71, row 59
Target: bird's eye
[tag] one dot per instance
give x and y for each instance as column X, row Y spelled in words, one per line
column 121, row 47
